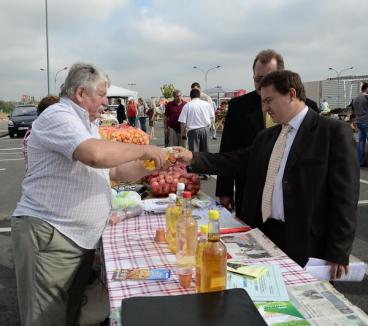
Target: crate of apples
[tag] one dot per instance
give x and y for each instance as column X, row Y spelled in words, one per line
column 164, row 182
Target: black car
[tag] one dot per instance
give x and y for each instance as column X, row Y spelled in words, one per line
column 20, row 119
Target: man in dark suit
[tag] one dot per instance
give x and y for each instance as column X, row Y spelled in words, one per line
column 315, row 189
column 244, row 120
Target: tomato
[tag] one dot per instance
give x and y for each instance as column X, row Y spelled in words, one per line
column 169, row 179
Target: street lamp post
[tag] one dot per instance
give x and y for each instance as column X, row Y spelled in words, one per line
column 206, row 73
column 65, row 68
column 338, row 73
column 47, row 50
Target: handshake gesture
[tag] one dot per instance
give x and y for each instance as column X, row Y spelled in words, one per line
column 156, row 158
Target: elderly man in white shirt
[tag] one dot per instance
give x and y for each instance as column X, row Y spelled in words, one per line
column 66, row 199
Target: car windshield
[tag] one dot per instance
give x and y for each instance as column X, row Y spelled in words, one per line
column 24, row 110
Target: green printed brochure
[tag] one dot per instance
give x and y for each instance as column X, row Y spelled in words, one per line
column 281, row 313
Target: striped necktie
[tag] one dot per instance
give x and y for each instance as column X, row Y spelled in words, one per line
column 273, row 168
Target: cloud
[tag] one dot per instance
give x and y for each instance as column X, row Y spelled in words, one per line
column 151, row 42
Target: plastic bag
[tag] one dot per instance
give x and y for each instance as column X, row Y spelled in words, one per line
column 124, row 199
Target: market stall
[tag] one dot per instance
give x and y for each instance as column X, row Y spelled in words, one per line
column 131, row 244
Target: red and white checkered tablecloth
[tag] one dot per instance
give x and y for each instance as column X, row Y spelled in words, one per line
column 131, row 244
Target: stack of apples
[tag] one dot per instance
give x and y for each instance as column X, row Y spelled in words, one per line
column 125, row 134
column 164, row 182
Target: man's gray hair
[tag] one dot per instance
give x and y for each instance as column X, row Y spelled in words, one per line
column 83, row 74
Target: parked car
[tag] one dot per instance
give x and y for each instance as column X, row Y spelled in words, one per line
column 20, row 119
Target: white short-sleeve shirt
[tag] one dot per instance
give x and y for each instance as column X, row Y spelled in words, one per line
column 69, row 195
column 197, row 114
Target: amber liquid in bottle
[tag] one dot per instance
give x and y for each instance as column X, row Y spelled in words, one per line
column 186, row 238
column 199, row 254
column 214, row 274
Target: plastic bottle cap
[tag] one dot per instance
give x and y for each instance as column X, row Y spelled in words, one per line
column 187, row 194
column 180, row 186
column 213, row 214
column 204, row 229
column 172, row 197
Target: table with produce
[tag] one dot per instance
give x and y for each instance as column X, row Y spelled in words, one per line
column 179, row 241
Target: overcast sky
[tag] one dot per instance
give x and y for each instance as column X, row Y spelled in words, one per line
column 152, row 42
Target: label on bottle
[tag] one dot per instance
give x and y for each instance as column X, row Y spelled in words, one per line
column 218, row 282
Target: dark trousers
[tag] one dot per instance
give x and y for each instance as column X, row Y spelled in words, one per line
column 132, row 121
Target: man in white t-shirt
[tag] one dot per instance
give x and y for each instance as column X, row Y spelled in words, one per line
column 195, row 121
column 208, row 99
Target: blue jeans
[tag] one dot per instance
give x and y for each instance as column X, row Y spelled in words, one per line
column 142, row 122
column 363, row 132
column 132, row 121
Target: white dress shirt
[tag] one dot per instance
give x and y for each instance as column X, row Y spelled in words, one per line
column 277, row 195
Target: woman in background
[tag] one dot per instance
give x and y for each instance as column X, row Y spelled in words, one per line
column 151, row 113
column 42, row 106
column 142, row 113
column 132, row 112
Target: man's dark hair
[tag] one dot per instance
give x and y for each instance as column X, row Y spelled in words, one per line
column 364, row 86
column 46, row 102
column 265, row 56
column 118, row 100
column 283, row 81
column 195, row 93
column 195, row 84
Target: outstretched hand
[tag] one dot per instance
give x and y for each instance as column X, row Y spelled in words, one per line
column 156, row 154
column 183, row 155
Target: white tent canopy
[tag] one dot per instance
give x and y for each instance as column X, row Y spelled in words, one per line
column 115, row 91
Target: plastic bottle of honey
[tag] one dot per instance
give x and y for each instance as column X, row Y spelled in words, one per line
column 186, row 240
column 175, row 213
column 199, row 253
column 168, row 215
column 213, row 272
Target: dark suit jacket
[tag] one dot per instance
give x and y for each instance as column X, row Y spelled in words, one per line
column 320, row 186
column 243, row 122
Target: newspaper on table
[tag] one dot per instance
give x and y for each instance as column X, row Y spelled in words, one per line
column 250, row 245
column 322, row 305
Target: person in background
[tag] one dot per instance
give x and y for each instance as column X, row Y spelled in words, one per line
column 195, row 120
column 120, row 111
column 207, row 98
column 44, row 104
column 244, row 120
column 360, row 110
column 142, row 113
column 132, row 112
column 302, row 185
column 151, row 113
column 171, row 123
column 325, row 107
column 66, row 199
